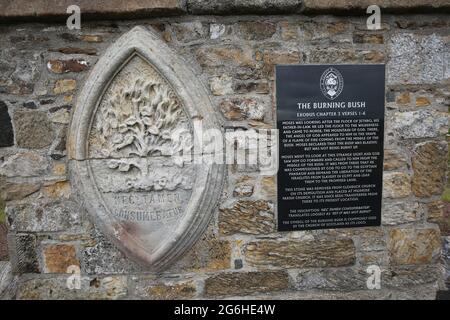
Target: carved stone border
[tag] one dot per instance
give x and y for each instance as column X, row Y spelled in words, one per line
column 197, row 105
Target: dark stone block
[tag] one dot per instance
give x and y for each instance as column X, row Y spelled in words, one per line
column 25, row 258
column 33, row 129
column 69, row 37
column 390, row 96
column 443, row 295
column 47, row 101
column 73, row 50
column 6, row 129
column 30, row 105
column 3, row 241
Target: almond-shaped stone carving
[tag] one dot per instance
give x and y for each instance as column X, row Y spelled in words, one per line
column 133, row 117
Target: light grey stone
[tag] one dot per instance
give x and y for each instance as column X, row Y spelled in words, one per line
column 190, row 31
column 332, row 279
column 8, row 281
column 24, row 164
column 243, row 190
column 216, row 30
column 16, row 191
column 221, row 85
column 61, row 116
column 43, row 216
column 355, row 278
column 63, row 287
column 24, row 66
column 447, row 61
column 424, row 292
column 415, row 59
column 419, row 124
column 105, row 258
column 5, row 275
column 148, row 287
column 243, row 108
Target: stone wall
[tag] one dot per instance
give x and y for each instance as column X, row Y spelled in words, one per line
column 43, row 67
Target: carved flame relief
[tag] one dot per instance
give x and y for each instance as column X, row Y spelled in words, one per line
column 141, row 118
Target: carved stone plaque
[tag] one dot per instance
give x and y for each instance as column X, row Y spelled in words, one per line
column 133, row 119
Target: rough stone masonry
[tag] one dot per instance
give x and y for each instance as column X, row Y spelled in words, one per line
column 232, row 46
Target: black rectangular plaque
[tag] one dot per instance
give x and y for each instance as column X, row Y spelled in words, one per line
column 331, row 125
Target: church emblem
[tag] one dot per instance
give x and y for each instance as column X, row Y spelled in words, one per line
column 331, row 83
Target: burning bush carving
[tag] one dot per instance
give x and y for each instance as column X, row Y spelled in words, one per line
column 142, row 121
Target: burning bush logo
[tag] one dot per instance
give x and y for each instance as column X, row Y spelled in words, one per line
column 331, row 83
